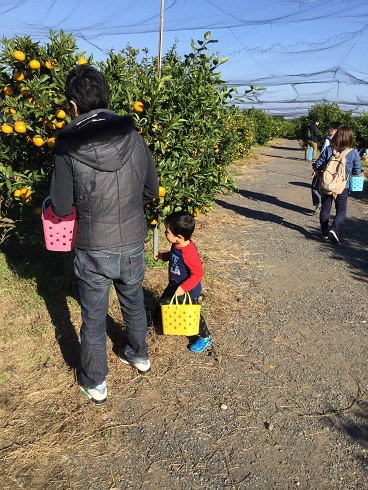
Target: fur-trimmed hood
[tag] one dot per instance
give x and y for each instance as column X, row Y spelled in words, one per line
column 100, row 139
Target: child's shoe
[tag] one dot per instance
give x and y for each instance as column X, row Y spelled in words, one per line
column 97, row 395
column 201, row 344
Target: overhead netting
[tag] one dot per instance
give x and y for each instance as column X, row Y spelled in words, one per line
column 303, row 52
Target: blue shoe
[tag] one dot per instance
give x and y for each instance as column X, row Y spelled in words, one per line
column 97, row 395
column 201, row 344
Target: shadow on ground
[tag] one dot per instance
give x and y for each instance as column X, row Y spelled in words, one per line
column 53, row 274
column 353, row 247
column 269, row 217
column 301, row 184
column 282, row 157
column 353, row 422
column 27, row 256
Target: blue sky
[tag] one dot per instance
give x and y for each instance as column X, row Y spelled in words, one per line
column 303, row 52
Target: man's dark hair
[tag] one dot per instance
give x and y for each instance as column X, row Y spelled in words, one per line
column 334, row 125
column 180, row 223
column 88, row 88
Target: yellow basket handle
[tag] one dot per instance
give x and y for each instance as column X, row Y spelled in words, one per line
column 175, row 297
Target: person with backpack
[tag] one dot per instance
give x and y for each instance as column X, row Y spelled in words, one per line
column 316, row 196
column 334, row 166
column 312, row 137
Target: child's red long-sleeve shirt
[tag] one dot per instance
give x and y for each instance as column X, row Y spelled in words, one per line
column 185, row 268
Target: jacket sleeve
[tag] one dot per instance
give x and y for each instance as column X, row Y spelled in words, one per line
column 150, row 190
column 165, row 256
column 61, row 189
column 325, row 144
column 322, row 159
column 357, row 166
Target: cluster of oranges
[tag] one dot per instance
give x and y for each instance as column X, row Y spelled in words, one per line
column 23, row 193
column 18, row 126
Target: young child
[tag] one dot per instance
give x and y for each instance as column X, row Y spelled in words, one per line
column 185, row 269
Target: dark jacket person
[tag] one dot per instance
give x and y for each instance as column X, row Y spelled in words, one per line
column 105, row 168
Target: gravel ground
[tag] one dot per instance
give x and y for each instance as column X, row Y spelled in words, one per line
column 281, row 399
column 311, row 344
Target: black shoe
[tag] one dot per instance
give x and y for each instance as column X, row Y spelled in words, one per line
column 333, row 236
column 324, row 237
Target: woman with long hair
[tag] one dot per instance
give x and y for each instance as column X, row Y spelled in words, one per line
column 343, row 140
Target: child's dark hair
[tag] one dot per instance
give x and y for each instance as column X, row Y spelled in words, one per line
column 180, row 223
column 334, row 125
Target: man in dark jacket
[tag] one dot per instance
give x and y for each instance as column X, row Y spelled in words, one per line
column 105, row 168
column 312, row 138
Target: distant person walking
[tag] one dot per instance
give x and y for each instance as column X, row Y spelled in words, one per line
column 316, row 196
column 343, row 140
column 312, row 137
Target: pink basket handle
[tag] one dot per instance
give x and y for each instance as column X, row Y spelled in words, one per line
column 48, row 198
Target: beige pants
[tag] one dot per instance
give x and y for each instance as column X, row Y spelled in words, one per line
column 315, row 150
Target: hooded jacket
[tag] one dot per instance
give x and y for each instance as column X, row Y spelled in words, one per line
column 314, row 132
column 105, row 168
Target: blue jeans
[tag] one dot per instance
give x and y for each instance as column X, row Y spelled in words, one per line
column 341, row 203
column 96, row 270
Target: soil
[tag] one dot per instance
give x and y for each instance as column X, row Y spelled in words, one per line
column 280, row 401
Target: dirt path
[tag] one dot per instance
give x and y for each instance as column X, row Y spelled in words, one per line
column 309, row 350
column 279, row 402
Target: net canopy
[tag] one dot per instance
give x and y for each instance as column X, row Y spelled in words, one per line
column 303, row 52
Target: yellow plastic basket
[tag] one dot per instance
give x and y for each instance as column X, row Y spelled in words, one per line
column 180, row 319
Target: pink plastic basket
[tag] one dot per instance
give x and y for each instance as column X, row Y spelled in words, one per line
column 59, row 233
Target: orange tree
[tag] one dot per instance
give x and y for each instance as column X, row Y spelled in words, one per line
column 33, row 108
column 185, row 119
column 187, row 116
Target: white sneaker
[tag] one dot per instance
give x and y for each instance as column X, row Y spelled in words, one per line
column 143, row 367
column 97, row 395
